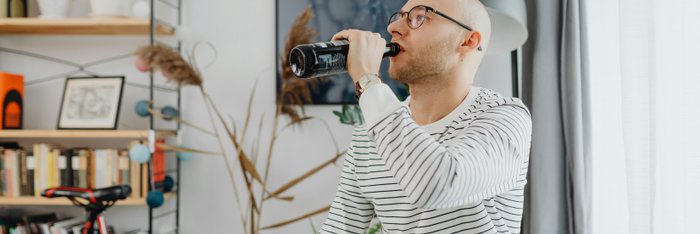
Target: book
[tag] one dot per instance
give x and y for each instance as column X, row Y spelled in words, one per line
column 135, row 171
column 90, row 168
column 24, row 181
column 144, row 180
column 63, row 227
column 2, row 173
column 75, row 169
column 30, row 175
column 11, row 173
column 14, row 172
column 83, row 169
column 62, row 167
column 3, row 9
column 124, row 168
column 52, row 160
column 34, row 222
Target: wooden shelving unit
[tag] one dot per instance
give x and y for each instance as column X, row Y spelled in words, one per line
column 149, row 28
column 42, row 201
column 113, row 134
column 80, row 26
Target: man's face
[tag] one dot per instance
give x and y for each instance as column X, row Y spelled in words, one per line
column 428, row 51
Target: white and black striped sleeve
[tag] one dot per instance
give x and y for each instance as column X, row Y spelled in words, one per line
column 350, row 211
column 485, row 159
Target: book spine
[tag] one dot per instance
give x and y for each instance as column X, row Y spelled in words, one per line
column 62, row 167
column 30, row 175
column 67, row 175
column 2, row 172
column 75, row 170
column 14, row 154
column 83, row 172
column 24, row 180
column 124, row 168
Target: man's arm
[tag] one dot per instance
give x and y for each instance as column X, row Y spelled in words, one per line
column 486, row 159
column 350, row 211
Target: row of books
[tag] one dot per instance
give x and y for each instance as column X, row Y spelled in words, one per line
column 42, row 224
column 24, row 173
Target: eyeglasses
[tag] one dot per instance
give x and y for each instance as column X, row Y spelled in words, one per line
column 416, row 17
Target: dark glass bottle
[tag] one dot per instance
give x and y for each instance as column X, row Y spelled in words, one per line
column 325, row 58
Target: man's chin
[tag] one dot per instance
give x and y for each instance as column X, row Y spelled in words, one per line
column 392, row 72
column 397, row 74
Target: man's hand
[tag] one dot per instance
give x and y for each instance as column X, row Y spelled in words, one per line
column 365, row 54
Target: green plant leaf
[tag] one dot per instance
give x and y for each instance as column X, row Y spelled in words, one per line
column 350, row 115
column 313, row 227
column 375, row 229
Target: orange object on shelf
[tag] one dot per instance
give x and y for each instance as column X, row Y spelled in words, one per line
column 158, row 162
column 11, row 96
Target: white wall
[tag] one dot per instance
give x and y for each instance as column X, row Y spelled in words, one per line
column 243, row 34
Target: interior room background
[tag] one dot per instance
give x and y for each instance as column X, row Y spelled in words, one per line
column 243, row 34
column 636, row 61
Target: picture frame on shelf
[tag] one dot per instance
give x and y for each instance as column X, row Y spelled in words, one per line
column 91, row 102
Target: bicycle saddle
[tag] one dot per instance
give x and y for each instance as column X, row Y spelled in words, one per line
column 113, row 193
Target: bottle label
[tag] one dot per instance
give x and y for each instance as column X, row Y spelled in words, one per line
column 340, row 43
column 332, row 43
column 331, row 63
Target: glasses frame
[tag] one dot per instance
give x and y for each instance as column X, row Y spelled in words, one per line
column 427, row 9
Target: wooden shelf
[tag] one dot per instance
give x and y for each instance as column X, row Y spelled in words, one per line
column 42, row 201
column 84, row 26
column 43, row 134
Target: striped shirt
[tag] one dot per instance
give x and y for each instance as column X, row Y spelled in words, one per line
column 462, row 174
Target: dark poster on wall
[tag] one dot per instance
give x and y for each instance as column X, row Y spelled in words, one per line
column 331, row 16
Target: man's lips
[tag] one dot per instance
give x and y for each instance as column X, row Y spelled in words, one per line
column 402, row 49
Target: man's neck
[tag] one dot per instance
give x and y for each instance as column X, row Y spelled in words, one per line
column 432, row 101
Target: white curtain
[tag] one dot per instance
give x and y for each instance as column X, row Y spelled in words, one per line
column 645, row 110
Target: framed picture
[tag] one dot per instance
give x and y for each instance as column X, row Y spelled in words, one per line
column 329, row 18
column 91, row 102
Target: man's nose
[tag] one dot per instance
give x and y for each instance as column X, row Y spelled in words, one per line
column 395, row 29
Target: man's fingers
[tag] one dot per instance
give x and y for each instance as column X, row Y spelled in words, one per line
column 343, row 35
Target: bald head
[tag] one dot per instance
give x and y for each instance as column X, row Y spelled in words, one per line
column 473, row 13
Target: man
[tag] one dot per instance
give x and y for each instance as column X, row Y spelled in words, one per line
column 452, row 158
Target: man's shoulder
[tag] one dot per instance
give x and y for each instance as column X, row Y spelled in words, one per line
column 487, row 99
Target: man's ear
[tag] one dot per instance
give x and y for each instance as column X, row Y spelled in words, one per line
column 472, row 42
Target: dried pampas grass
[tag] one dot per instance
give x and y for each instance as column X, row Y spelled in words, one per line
column 295, row 92
column 170, row 62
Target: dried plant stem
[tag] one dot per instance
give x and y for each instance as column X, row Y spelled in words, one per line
column 250, row 107
column 307, row 215
column 246, row 164
column 180, row 120
column 243, row 162
column 269, row 152
column 257, row 142
column 183, row 149
column 308, row 174
column 225, row 156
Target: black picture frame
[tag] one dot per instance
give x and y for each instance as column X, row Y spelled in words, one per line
column 105, row 97
column 329, row 18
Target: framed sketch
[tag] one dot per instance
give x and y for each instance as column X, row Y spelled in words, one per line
column 91, row 102
column 330, row 17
